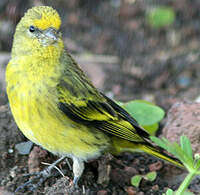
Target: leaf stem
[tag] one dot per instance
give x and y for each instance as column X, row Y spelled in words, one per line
column 185, row 183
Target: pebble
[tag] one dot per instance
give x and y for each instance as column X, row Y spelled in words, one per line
column 131, row 190
column 155, row 166
column 24, row 147
column 102, row 192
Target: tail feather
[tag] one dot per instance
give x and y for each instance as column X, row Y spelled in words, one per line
column 120, row 145
column 158, row 152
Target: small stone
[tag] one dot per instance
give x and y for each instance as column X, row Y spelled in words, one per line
column 24, row 147
column 155, row 187
column 102, row 192
column 10, row 150
column 130, row 171
column 156, row 166
column 183, row 81
column 131, row 190
column 35, row 158
column 184, row 119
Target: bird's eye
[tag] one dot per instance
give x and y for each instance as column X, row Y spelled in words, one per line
column 32, row 29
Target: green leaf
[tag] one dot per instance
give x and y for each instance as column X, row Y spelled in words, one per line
column 160, row 142
column 161, row 17
column 151, row 129
column 176, row 150
column 145, row 113
column 151, row 176
column 186, row 147
column 173, row 148
column 135, row 180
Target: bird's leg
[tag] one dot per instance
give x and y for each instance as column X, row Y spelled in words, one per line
column 78, row 167
column 42, row 176
column 69, row 165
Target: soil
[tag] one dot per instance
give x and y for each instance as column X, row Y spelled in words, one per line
column 128, row 59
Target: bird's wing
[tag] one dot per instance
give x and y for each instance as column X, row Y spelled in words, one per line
column 89, row 107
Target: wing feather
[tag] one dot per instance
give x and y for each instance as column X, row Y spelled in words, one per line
column 81, row 102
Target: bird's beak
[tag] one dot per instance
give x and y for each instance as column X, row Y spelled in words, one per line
column 51, row 34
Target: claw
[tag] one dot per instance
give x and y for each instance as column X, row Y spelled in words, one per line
column 42, row 176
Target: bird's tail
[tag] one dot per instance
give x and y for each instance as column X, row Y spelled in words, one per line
column 159, row 153
column 120, row 145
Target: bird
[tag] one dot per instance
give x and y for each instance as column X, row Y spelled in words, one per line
column 57, row 107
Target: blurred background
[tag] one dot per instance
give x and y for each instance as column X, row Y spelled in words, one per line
column 131, row 49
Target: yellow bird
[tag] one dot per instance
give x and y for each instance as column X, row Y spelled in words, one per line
column 57, row 107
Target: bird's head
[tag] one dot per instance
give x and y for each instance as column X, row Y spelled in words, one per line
column 38, row 29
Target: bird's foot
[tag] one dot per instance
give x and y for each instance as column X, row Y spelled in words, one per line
column 39, row 177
